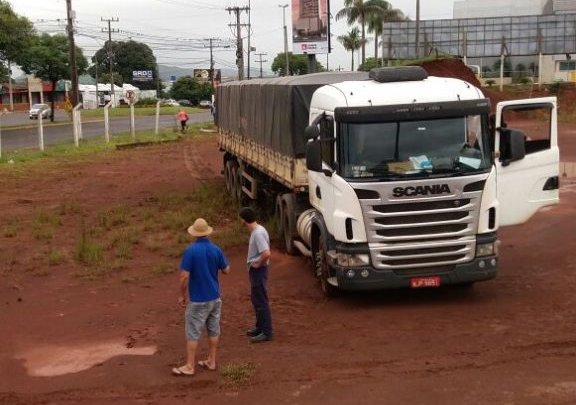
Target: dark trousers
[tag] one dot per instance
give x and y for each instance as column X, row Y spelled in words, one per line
column 259, row 296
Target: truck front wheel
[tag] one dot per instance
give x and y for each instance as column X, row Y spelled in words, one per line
column 322, row 269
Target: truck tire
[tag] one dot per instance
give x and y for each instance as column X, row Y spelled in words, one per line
column 288, row 222
column 228, row 176
column 233, row 178
column 238, row 193
column 320, row 258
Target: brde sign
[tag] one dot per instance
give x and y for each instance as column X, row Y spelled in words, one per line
column 142, row 75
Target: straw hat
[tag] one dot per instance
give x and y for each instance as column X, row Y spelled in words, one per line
column 200, row 228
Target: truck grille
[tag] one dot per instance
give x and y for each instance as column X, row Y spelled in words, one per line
column 408, row 236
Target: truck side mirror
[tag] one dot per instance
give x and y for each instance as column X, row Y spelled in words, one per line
column 313, row 157
column 512, row 145
column 312, row 132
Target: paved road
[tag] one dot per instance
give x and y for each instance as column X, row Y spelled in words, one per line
column 28, row 137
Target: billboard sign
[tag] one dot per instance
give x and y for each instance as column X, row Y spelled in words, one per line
column 142, row 75
column 310, row 26
column 203, row 75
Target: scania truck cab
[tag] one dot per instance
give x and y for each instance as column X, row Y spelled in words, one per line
column 410, row 177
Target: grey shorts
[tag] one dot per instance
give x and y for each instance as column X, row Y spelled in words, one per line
column 200, row 314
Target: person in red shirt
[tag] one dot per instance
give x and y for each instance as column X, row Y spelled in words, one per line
column 183, row 118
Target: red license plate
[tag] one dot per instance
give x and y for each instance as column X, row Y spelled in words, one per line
column 424, row 282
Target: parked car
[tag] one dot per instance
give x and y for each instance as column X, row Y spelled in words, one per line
column 205, row 104
column 38, row 109
column 170, row 102
column 186, row 103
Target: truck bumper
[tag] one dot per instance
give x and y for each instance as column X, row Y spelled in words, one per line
column 368, row 278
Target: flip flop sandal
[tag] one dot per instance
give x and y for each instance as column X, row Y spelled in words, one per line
column 181, row 371
column 204, row 364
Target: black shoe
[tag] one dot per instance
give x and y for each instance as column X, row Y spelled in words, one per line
column 261, row 338
column 253, row 332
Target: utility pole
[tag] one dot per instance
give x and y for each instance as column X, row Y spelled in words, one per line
column 286, row 59
column 72, row 51
column 417, row 28
column 249, row 35
column 261, row 61
column 239, row 46
column 110, row 53
column 211, row 45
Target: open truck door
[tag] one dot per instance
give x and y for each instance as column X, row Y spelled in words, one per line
column 527, row 158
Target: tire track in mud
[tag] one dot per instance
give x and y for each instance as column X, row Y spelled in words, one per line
column 439, row 365
column 199, row 169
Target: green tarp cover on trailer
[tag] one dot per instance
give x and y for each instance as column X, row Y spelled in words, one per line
column 273, row 112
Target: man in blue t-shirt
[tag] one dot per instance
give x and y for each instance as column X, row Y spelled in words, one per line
column 200, row 264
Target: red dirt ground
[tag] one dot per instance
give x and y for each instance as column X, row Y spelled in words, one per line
column 65, row 340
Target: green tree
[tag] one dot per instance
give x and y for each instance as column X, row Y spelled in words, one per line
column 376, row 20
column 4, row 73
column 298, row 64
column 359, row 11
column 369, row 64
column 16, row 35
column 48, row 59
column 189, row 88
column 352, row 42
column 105, row 78
column 507, row 66
column 127, row 56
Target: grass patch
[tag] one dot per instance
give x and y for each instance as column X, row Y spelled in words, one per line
column 238, row 374
column 55, row 257
column 146, row 111
column 89, row 252
column 91, row 148
column 11, row 230
column 164, row 268
column 114, row 217
column 45, row 224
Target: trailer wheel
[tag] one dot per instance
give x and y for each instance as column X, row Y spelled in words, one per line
column 320, row 258
column 233, row 178
column 238, row 193
column 228, row 176
column 288, row 222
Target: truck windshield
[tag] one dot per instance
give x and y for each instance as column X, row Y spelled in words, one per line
column 447, row 146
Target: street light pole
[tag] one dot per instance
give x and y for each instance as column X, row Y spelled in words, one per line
column 287, row 61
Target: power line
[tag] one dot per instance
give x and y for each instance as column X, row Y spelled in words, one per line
column 239, row 44
column 110, row 53
column 72, row 50
column 261, row 61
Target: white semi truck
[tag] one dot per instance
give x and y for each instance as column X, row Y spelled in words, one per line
column 388, row 179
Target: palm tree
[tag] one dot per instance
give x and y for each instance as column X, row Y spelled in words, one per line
column 358, row 11
column 376, row 20
column 352, row 42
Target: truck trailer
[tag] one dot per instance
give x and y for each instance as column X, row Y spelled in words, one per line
column 389, row 178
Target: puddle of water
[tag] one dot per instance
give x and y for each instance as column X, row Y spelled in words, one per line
column 50, row 361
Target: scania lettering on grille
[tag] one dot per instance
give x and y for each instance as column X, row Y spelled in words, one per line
column 410, row 191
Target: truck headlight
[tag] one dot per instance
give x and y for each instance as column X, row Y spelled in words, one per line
column 487, row 249
column 351, row 260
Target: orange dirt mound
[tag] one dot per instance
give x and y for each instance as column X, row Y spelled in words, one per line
column 451, row 68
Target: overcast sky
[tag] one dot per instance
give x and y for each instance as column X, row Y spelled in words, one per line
column 174, row 28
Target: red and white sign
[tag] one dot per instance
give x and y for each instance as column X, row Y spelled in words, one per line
column 310, row 26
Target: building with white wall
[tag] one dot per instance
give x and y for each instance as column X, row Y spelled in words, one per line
column 497, row 8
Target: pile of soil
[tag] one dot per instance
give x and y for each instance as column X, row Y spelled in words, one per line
column 455, row 68
column 451, row 68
